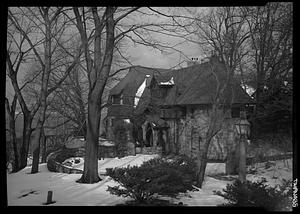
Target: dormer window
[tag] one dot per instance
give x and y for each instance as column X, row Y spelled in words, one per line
column 117, row 99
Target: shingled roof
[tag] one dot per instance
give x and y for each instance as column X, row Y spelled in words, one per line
column 192, row 85
column 197, row 84
column 135, row 77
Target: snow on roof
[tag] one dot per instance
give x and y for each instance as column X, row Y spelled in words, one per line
column 139, row 92
column 250, row 90
column 106, row 143
column 127, row 120
column 170, row 82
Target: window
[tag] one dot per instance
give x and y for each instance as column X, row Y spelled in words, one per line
column 117, row 99
column 235, row 112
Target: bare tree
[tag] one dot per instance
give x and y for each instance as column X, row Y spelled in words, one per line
column 271, row 30
column 220, row 32
column 52, row 31
column 11, row 111
column 234, row 34
column 69, row 101
column 112, row 26
column 17, row 53
column 98, row 72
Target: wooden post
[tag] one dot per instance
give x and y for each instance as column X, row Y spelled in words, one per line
column 49, row 197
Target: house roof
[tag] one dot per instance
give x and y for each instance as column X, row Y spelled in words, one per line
column 196, row 84
column 135, row 78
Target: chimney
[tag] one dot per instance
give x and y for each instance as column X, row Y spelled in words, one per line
column 193, row 61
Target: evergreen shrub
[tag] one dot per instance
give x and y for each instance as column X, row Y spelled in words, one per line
column 258, row 194
column 158, row 176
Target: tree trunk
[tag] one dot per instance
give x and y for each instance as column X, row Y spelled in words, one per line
column 36, row 146
column 44, row 91
column 201, row 164
column 98, row 75
column 90, row 171
column 15, row 166
column 20, row 154
column 38, row 133
column 12, row 131
column 44, row 146
column 27, row 118
column 212, row 130
column 26, row 140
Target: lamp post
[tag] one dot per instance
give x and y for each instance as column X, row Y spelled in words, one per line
column 243, row 129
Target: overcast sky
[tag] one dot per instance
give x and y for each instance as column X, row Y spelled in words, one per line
column 148, row 57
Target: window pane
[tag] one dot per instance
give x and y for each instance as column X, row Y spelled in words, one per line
column 116, row 99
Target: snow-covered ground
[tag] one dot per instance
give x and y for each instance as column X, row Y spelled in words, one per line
column 24, row 188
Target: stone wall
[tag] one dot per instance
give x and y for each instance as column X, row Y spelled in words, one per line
column 192, row 132
column 186, row 136
column 55, row 159
column 171, row 146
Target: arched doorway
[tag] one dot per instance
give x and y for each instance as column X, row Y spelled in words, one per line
column 149, row 136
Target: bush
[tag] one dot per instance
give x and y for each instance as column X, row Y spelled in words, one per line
column 155, row 177
column 258, row 194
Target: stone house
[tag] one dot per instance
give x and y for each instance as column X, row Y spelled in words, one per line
column 169, row 109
